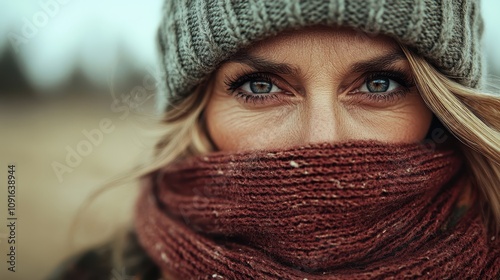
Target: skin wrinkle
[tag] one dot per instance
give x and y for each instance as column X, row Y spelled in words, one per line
column 319, row 72
column 238, row 116
column 370, row 122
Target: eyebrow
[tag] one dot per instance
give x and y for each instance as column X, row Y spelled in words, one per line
column 263, row 65
column 378, row 63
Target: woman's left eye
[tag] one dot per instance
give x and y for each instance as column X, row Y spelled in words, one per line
column 383, row 87
column 260, row 87
column 379, row 85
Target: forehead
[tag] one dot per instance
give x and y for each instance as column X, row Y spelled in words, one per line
column 327, row 43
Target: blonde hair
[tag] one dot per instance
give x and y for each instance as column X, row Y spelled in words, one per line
column 184, row 135
column 473, row 117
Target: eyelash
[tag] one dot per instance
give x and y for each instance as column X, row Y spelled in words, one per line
column 398, row 76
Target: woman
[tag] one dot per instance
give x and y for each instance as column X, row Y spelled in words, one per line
column 320, row 140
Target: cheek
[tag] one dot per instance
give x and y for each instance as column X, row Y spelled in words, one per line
column 235, row 128
column 417, row 121
column 406, row 122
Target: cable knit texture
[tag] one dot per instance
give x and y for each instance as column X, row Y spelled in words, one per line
column 196, row 35
column 357, row 210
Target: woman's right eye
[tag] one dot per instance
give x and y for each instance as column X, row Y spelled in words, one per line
column 257, row 88
column 260, row 87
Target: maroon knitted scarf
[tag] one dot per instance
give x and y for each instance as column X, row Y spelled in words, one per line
column 357, row 210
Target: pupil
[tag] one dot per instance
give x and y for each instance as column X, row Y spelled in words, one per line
column 378, row 85
column 261, row 87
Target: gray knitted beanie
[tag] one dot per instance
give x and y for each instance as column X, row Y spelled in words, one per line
column 196, row 35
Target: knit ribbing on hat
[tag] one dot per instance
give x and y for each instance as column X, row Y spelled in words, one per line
column 195, row 36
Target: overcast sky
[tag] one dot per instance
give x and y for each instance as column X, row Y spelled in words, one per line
column 64, row 35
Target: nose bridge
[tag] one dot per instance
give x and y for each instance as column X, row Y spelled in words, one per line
column 322, row 118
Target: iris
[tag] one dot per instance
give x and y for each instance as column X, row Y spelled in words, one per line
column 378, row 85
column 260, row 87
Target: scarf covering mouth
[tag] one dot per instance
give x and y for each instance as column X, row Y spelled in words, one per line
column 353, row 210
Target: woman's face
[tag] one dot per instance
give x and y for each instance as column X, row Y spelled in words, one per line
column 315, row 85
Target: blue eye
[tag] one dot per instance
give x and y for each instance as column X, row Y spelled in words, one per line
column 260, row 87
column 379, row 85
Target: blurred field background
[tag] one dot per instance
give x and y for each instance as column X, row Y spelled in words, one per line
column 80, row 77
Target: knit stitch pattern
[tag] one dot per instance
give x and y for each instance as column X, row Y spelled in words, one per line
column 358, row 210
column 195, row 36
